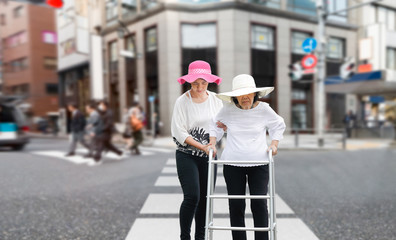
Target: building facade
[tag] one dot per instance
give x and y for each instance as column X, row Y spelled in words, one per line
column 371, row 92
column 29, row 59
column 147, row 45
column 73, row 53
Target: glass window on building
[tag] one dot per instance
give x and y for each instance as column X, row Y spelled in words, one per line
column 51, row 88
column 128, row 8
column 198, row 1
column 297, row 41
column 19, row 12
column 307, row 7
column 147, row 4
column 387, row 17
column 391, row 58
column 113, row 51
column 267, row 3
column 262, row 37
column 111, row 10
column 335, row 5
column 151, row 40
column 299, row 116
column 199, row 42
column 131, row 70
column 199, row 35
column 335, row 55
column 299, row 94
column 335, row 48
column 263, row 58
column 50, row 63
column 151, row 71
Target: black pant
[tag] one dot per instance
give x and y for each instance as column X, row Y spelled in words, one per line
column 137, row 140
column 257, row 179
column 103, row 141
column 77, row 137
column 193, row 177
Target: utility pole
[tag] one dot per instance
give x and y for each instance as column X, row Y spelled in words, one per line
column 320, row 111
column 321, row 104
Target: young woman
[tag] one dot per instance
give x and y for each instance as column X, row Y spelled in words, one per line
column 192, row 115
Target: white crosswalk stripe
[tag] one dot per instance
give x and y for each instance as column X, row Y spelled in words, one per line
column 165, row 206
column 79, row 159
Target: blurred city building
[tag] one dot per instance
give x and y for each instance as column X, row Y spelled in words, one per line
column 147, row 45
column 28, row 56
column 371, row 92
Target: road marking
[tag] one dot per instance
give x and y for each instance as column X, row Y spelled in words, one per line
column 79, row 159
column 168, row 229
column 173, row 181
column 166, row 205
column 170, row 204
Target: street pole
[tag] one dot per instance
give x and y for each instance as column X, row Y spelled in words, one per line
column 321, row 104
column 321, row 95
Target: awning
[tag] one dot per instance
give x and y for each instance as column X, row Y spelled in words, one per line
column 371, row 83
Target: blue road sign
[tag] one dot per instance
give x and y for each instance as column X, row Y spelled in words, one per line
column 151, row 98
column 309, row 45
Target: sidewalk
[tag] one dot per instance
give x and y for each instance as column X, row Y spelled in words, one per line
column 305, row 142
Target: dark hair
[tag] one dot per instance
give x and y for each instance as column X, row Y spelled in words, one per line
column 255, row 99
column 105, row 102
column 92, row 104
column 72, row 104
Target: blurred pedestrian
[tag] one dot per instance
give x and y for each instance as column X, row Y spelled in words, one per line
column 136, row 123
column 104, row 132
column 192, row 115
column 247, row 121
column 349, row 122
column 92, row 124
column 127, row 134
column 77, row 129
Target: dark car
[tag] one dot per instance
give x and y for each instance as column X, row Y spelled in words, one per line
column 13, row 125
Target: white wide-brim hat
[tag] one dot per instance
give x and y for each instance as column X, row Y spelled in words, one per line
column 244, row 84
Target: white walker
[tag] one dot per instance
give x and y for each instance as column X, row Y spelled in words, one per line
column 209, row 227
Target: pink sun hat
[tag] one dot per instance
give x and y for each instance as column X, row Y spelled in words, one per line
column 199, row 69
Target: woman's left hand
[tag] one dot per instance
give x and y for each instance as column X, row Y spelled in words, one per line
column 274, row 149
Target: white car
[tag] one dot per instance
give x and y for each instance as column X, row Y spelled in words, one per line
column 13, row 125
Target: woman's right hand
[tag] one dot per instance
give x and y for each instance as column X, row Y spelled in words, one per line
column 208, row 147
column 222, row 126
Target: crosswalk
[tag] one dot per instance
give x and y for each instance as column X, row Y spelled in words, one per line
column 158, row 218
column 79, row 159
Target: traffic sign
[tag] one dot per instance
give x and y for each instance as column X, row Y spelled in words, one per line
column 309, row 61
column 151, row 98
column 309, row 45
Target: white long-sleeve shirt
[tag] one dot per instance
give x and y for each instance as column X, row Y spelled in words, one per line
column 193, row 119
column 246, row 132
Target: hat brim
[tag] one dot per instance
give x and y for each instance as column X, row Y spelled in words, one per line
column 263, row 91
column 210, row 78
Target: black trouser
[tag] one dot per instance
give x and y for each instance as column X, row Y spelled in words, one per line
column 137, row 140
column 77, row 137
column 257, row 179
column 103, row 141
column 193, row 177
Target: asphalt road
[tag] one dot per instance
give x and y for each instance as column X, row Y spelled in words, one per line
column 338, row 194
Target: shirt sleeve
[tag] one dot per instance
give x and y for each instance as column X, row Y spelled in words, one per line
column 179, row 123
column 214, row 131
column 276, row 125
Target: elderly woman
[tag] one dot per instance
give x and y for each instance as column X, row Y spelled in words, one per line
column 247, row 120
column 192, row 115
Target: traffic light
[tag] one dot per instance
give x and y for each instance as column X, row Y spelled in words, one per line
column 52, row 3
column 347, row 70
column 296, row 71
